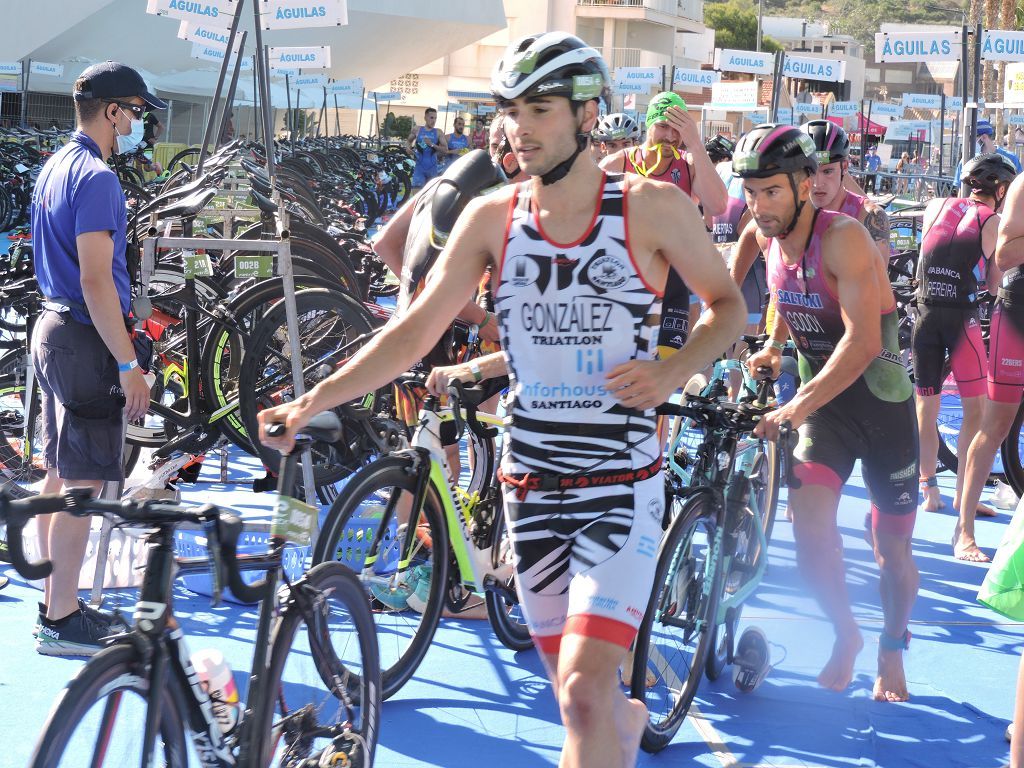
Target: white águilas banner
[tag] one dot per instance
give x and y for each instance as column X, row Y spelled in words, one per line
column 199, row 32
column 1002, row 45
column 10, row 67
column 307, row 57
column 729, row 60
column 351, row 86
column 295, row 14
column 695, row 79
column 216, row 12
column 216, row 53
column 843, row 108
column 810, row 68
column 43, row 68
column 917, row 46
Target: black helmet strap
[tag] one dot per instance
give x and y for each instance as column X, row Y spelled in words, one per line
column 561, row 170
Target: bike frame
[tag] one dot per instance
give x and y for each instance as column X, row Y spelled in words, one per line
column 430, row 465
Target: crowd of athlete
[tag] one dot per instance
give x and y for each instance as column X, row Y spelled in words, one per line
column 616, row 234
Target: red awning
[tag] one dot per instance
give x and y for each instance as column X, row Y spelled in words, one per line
column 863, row 124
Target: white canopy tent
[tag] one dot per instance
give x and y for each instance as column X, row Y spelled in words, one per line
column 383, row 40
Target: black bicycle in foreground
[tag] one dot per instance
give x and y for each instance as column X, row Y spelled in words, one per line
column 314, row 691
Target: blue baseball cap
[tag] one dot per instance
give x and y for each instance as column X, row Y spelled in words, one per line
column 111, row 80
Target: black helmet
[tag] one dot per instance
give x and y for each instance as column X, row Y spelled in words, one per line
column 989, row 168
column 830, row 140
column 719, row 148
column 772, row 148
column 551, row 63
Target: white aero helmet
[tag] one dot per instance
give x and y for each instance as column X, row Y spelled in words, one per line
column 616, row 127
column 551, row 63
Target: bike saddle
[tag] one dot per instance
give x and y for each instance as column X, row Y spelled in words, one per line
column 207, row 180
column 261, row 183
column 263, row 202
column 189, row 206
column 325, row 427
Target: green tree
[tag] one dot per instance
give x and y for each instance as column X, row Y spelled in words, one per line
column 735, row 25
column 398, row 127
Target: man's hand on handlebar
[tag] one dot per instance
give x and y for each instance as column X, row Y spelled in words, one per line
column 769, row 357
column 294, row 415
column 442, row 376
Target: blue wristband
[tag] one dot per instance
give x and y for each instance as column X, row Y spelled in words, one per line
column 125, row 367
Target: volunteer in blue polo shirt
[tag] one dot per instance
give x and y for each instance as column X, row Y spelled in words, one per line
column 987, row 143
column 81, row 348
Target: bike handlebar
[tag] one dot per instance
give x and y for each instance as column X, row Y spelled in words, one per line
column 79, row 502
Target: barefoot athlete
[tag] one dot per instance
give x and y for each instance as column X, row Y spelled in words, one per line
column 855, row 402
column 579, row 260
column 958, row 242
column 1006, row 354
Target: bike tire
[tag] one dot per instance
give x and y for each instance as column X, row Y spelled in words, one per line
column 320, row 672
column 684, row 564
column 1013, row 456
column 764, row 491
column 351, row 528
column 72, row 725
column 504, row 614
column 328, row 320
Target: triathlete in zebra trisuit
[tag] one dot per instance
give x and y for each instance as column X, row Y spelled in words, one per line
column 855, row 402
column 580, row 258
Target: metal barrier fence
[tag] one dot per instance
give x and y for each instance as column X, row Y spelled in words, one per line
column 920, row 186
column 44, row 110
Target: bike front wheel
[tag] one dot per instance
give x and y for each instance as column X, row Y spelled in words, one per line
column 406, row 595
column 323, row 689
column 100, row 720
column 676, row 635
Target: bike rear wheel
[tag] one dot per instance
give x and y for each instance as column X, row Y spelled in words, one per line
column 354, row 533
column 503, row 609
column 676, row 632
column 101, row 718
column 323, row 687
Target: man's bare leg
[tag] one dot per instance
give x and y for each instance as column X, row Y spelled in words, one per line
column 972, row 410
column 51, row 484
column 927, row 416
column 820, row 557
column 69, row 536
column 603, row 727
column 897, row 583
column 995, row 425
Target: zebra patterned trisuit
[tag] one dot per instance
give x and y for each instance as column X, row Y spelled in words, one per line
column 569, row 313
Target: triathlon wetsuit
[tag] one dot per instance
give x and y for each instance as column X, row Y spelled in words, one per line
column 426, row 156
column 725, row 232
column 1006, row 340
column 873, row 419
column 585, row 557
column 675, row 314
column 949, row 270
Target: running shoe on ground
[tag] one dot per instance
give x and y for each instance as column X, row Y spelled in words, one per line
column 113, row 620
column 394, row 593
column 74, row 635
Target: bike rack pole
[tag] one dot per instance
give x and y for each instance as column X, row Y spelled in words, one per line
column 263, row 78
column 229, row 102
column 220, row 86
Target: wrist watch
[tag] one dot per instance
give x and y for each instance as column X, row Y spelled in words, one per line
column 125, row 367
column 773, row 344
column 474, row 368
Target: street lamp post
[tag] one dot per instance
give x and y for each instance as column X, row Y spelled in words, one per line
column 760, row 22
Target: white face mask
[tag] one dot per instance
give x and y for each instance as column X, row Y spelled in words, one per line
column 130, row 141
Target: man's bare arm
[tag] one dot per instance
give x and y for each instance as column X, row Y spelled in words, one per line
column 876, row 222
column 1010, row 245
column 989, row 237
column 744, row 253
column 708, row 186
column 615, row 163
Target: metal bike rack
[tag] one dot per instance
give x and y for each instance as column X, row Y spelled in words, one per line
column 282, row 247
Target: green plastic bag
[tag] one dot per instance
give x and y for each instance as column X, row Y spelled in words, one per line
column 1003, row 588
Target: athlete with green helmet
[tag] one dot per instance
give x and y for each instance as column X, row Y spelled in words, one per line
column 674, row 153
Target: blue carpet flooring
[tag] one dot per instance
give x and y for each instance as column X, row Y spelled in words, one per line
column 472, row 699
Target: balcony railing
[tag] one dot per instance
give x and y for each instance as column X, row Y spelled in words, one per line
column 621, row 57
column 691, row 9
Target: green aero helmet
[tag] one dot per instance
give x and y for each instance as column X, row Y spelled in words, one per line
column 660, row 103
